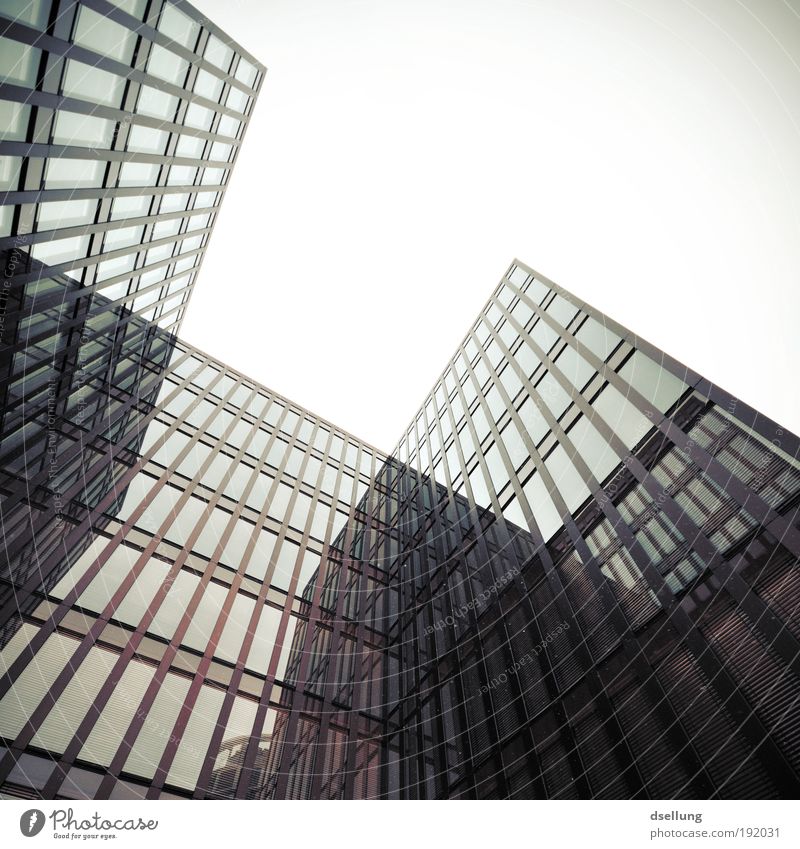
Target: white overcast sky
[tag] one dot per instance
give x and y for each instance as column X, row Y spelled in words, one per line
column 644, row 154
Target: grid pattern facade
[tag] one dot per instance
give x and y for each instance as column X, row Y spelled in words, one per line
column 119, row 126
column 154, row 652
column 574, row 577
column 596, row 551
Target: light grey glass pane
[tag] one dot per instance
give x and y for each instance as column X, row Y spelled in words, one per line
column 574, row 367
column 235, row 629
column 199, row 117
column 9, row 172
column 167, row 65
column 118, row 566
column 135, row 8
column 308, row 568
column 74, row 173
column 34, row 682
column 518, row 276
column 284, row 564
column 561, row 310
column 181, row 175
column 80, row 784
column 178, row 26
column 6, row 220
column 498, row 473
column 177, row 596
column 66, row 213
column 596, row 452
column 205, row 617
column 124, row 237
column 212, row 531
column 191, row 751
column 300, row 511
column 257, row 497
column 283, row 660
column 174, row 202
column 263, row 640
column 30, row 12
column 566, row 477
column 158, row 726
column 213, row 177
column 235, row 739
column 147, row 139
column 130, row 207
column 157, row 104
column 218, row 53
column 188, row 518
column 208, row 85
column 534, row 421
column 599, row 339
column 104, row 739
column 480, row 490
column 280, row 502
column 319, row 521
column 19, row 63
column 621, row 416
column 74, row 702
column 245, row 72
column 553, row 394
column 102, row 35
column 237, row 99
column 138, row 598
column 93, row 84
column 14, row 119
column 138, row 174
column 72, row 128
column 237, row 543
column 229, row 126
column 660, row 387
column 544, row 335
column 61, row 250
column 544, row 511
column 191, row 146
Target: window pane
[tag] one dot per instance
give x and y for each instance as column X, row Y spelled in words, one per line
column 93, row 84
column 102, row 35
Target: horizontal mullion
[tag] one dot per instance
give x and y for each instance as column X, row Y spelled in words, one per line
column 45, row 236
column 62, row 151
column 102, row 192
column 108, row 10
column 69, row 50
column 48, row 100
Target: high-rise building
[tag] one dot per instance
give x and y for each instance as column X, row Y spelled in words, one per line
column 575, row 576
column 119, row 126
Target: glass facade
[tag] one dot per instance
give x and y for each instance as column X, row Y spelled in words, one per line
column 119, row 126
column 575, row 575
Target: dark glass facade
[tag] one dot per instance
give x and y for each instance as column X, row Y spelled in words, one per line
column 575, row 576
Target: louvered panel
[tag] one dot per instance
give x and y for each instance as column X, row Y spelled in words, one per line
column 301, row 768
column 594, row 619
column 664, row 773
column 726, row 754
column 778, row 583
column 602, row 766
column 769, row 686
column 334, row 758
